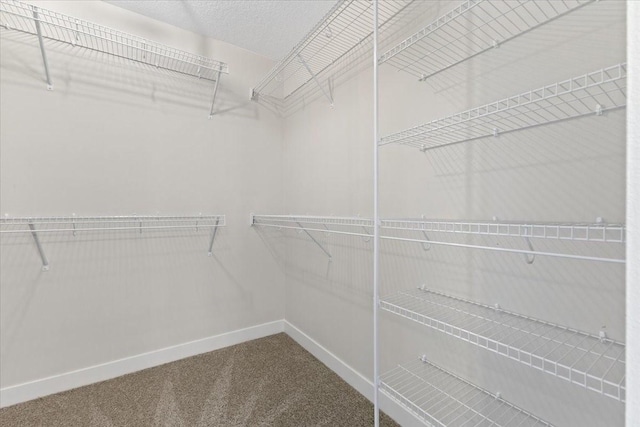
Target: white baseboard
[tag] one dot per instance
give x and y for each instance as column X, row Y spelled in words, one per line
column 352, row 377
column 93, row 374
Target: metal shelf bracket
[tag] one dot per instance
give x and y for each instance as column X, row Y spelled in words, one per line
column 213, row 237
column 36, row 19
column 315, row 79
column 215, row 93
column 43, row 257
column 315, row 241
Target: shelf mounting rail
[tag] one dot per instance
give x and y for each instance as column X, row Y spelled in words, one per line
column 57, row 27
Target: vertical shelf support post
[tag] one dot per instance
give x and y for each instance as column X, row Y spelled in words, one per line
column 376, row 224
column 315, row 79
column 36, row 19
column 213, row 237
column 43, row 257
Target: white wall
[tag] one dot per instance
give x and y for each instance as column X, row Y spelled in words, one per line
column 574, row 171
column 115, row 139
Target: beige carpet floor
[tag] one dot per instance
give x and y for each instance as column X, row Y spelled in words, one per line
column 271, row 381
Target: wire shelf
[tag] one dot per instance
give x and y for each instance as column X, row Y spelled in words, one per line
column 594, row 362
column 391, row 229
column 594, row 232
column 278, row 220
column 328, row 49
column 586, row 95
column 15, row 15
column 443, row 399
column 470, row 29
column 15, row 225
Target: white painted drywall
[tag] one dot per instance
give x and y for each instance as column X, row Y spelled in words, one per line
column 633, row 216
column 574, row 171
column 115, row 139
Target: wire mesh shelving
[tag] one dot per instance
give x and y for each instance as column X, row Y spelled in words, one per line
column 442, row 399
column 131, row 223
column 57, row 27
column 415, row 230
column 587, row 95
column 473, row 27
column 331, row 47
column 594, row 362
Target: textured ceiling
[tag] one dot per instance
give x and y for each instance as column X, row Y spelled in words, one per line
column 268, row 27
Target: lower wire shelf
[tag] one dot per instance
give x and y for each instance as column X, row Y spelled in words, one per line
column 594, row 362
column 441, row 398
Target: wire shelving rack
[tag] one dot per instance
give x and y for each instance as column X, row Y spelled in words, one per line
column 131, row 223
column 443, row 399
column 470, row 29
column 594, row 362
column 331, row 47
column 423, row 231
column 57, row 27
column 588, row 95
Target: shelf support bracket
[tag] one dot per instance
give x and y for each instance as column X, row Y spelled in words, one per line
column 213, row 237
column 36, row 19
column 315, row 79
column 43, row 257
column 215, row 93
column 314, row 240
column 530, row 258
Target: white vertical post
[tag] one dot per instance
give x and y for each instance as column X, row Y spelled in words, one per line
column 633, row 216
column 376, row 218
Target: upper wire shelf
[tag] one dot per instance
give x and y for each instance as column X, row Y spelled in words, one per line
column 56, row 26
column 51, row 25
column 327, row 50
column 135, row 223
column 594, row 362
column 443, row 399
column 470, row 29
column 589, row 94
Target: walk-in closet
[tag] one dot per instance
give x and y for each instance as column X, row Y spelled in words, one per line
column 329, row 212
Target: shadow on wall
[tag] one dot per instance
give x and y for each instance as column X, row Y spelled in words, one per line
column 90, row 74
column 107, row 274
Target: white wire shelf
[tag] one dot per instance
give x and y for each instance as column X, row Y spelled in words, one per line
column 470, row 29
column 331, row 47
column 132, row 223
column 594, row 362
column 588, row 232
column 74, row 224
column 397, row 229
column 443, row 399
column 587, row 95
column 57, row 27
